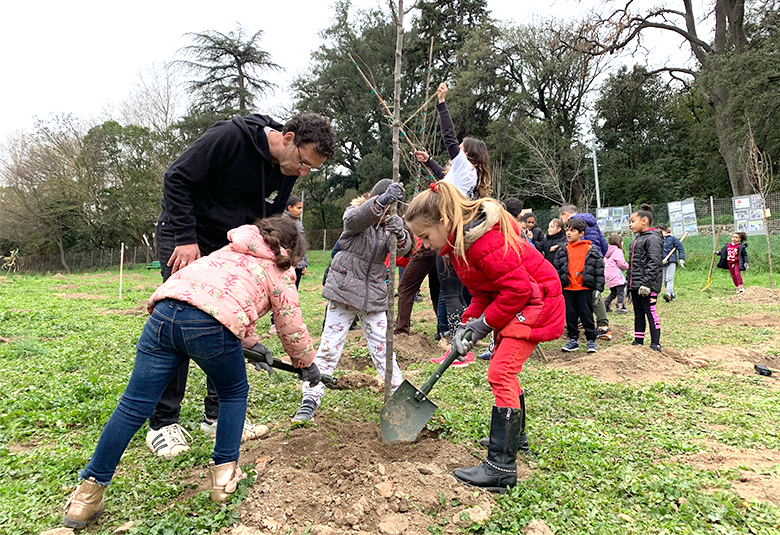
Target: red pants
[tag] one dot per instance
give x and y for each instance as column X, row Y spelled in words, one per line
column 736, row 276
column 508, row 359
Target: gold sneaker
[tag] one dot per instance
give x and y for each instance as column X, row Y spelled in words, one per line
column 224, row 480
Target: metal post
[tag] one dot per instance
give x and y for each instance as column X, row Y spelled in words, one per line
column 712, row 218
column 596, row 172
column 324, row 242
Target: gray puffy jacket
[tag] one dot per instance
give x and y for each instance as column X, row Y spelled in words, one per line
column 358, row 275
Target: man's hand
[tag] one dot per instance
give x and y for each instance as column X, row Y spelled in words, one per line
column 311, row 373
column 478, row 329
column 644, row 291
column 441, row 92
column 182, row 256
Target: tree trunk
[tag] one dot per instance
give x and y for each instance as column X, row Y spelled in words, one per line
column 727, row 136
column 61, row 250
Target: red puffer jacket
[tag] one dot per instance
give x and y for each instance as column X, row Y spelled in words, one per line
column 519, row 293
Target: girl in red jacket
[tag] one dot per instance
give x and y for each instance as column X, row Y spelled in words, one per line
column 516, row 295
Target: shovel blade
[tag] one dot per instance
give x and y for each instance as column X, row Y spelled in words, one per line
column 403, row 415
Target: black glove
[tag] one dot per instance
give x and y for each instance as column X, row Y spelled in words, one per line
column 261, row 358
column 395, row 225
column 478, row 329
column 394, row 192
column 311, row 373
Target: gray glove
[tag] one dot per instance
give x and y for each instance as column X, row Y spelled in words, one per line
column 395, row 225
column 682, row 263
column 261, row 358
column 746, row 266
column 644, row 291
column 312, row 374
column 394, row 192
column 478, row 329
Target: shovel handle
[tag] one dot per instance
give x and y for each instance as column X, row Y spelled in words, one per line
column 428, row 386
column 279, row 364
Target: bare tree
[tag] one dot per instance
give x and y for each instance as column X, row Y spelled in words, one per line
column 760, row 175
column 39, row 171
column 626, row 26
column 156, row 101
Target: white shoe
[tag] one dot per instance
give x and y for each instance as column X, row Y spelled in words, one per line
column 250, row 432
column 167, row 442
column 272, row 330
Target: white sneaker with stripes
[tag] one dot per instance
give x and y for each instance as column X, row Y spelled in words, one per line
column 167, row 442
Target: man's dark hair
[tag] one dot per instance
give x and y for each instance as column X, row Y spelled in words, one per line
column 569, row 209
column 292, row 200
column 514, row 206
column 312, row 128
column 577, row 224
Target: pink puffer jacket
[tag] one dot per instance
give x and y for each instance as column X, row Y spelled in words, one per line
column 614, row 265
column 239, row 284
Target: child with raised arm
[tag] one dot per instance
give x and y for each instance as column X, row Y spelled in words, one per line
column 516, row 295
column 206, row 312
column 469, row 172
column 645, row 275
column 734, row 258
column 356, row 285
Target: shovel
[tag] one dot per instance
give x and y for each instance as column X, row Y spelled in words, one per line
column 254, row 356
column 712, row 263
column 408, row 410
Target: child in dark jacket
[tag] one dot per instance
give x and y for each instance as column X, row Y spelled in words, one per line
column 556, row 237
column 645, row 274
column 670, row 264
column 581, row 269
column 733, row 256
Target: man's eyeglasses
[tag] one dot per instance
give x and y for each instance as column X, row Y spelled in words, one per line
column 305, row 165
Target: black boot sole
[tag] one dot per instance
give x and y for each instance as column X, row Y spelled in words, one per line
column 496, row 490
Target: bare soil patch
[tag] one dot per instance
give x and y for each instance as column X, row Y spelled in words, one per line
column 622, row 363
column 755, row 479
column 409, row 348
column 339, row 475
column 138, row 310
column 750, row 320
column 737, row 361
column 757, row 295
column 59, row 277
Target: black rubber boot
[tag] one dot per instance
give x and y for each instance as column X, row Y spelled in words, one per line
column 499, row 470
column 522, row 442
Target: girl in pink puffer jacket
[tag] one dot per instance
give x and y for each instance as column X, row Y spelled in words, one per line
column 614, row 265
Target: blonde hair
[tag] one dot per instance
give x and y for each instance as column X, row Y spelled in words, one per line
column 444, row 204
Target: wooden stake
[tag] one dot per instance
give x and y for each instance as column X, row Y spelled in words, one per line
column 121, row 266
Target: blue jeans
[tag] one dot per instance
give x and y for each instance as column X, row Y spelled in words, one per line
column 175, row 332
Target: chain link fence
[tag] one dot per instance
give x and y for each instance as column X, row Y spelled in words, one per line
column 325, row 239
column 722, row 208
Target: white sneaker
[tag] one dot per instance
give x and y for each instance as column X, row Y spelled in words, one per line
column 272, row 330
column 251, row 431
column 167, row 442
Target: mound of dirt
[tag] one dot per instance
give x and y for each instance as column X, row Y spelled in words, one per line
column 409, row 348
column 339, row 478
column 415, row 347
column 758, row 482
column 59, row 277
column 354, row 380
column 750, row 320
column 623, row 363
column 737, row 360
column 757, row 295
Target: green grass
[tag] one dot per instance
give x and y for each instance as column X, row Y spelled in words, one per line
column 603, row 453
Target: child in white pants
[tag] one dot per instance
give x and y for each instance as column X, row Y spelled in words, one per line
column 337, row 322
column 356, row 285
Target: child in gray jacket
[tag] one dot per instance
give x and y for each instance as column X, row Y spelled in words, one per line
column 357, row 286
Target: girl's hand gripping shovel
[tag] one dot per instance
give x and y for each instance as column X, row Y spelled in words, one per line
column 408, row 410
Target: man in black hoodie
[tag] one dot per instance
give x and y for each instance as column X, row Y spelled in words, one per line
column 239, row 170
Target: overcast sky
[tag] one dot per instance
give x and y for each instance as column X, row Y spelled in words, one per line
column 82, row 56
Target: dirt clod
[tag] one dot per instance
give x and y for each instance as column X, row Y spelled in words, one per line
column 537, row 527
column 757, row 295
